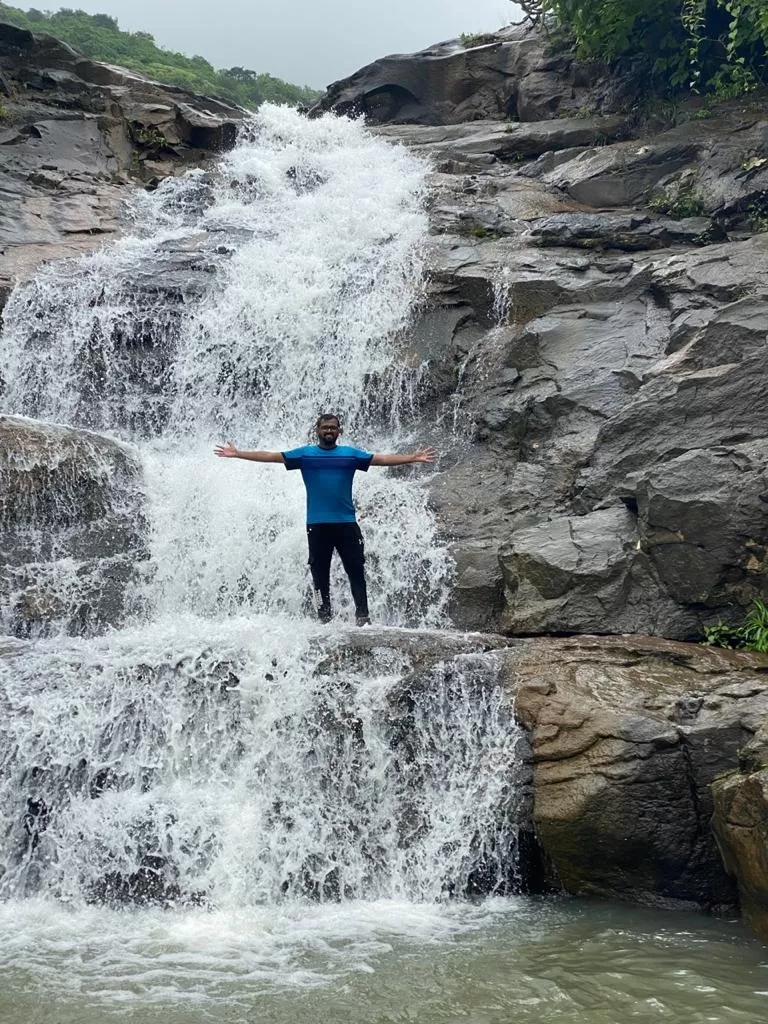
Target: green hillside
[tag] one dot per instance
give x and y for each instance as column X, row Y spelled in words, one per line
column 99, row 36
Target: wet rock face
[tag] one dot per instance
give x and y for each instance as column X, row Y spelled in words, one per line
column 619, row 434
column 598, row 320
column 123, row 382
column 628, row 736
column 740, row 822
column 637, row 753
column 76, row 136
column 513, row 73
column 647, row 759
column 73, row 526
column 344, row 779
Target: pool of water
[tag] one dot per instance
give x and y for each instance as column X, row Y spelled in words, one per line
column 521, row 959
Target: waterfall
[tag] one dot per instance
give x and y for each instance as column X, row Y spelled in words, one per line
column 221, row 749
column 245, row 302
column 241, row 769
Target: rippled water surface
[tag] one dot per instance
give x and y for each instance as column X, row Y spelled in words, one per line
column 505, row 960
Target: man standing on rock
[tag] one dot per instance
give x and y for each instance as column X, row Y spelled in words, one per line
column 328, row 469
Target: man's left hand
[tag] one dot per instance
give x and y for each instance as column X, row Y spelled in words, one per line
column 426, row 453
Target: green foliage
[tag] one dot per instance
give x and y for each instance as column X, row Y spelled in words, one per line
column 679, row 199
column 752, row 635
column 478, row 231
column 720, row 635
column 151, row 138
column 714, row 46
column 99, row 37
column 467, row 39
column 757, row 215
column 756, row 627
column 470, row 39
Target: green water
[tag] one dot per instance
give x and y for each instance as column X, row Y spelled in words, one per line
column 520, row 960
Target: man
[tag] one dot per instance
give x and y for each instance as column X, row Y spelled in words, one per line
column 328, row 469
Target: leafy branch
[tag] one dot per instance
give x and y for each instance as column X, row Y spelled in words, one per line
column 752, row 635
column 716, row 46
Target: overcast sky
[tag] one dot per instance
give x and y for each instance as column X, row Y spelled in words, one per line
column 306, row 42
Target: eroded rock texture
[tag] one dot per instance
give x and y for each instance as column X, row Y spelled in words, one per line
column 628, row 735
column 76, row 136
column 741, row 825
column 513, row 73
column 596, row 326
column 628, row 738
column 71, row 512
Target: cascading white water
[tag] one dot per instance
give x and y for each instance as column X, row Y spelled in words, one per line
column 210, row 752
column 313, row 231
column 222, row 810
column 500, row 307
column 238, row 770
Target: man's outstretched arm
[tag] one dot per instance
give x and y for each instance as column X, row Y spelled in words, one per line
column 228, row 451
column 423, row 454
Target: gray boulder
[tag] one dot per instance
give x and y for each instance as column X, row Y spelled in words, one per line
column 572, row 569
column 515, row 73
column 628, row 737
column 72, row 514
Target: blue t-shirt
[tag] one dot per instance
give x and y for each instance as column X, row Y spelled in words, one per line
column 328, row 474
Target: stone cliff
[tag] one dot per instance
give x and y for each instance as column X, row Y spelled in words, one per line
column 598, row 310
column 76, row 137
column 597, row 313
column 595, row 320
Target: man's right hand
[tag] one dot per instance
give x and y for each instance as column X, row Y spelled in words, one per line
column 226, row 451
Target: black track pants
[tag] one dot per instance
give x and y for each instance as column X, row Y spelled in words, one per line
column 347, row 539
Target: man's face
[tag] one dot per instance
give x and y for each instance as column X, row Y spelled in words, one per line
column 328, row 432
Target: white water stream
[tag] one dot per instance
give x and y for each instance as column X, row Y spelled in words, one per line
column 247, row 302
column 221, row 803
column 203, row 757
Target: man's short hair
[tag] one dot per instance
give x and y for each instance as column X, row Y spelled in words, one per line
column 327, row 416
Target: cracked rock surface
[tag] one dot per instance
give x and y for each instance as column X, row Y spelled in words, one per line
column 77, row 137
column 628, row 735
column 596, row 326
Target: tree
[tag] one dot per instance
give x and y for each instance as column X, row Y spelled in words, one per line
column 238, row 74
column 99, row 36
column 105, row 21
column 719, row 46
